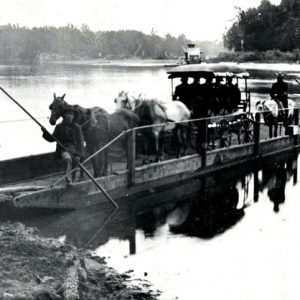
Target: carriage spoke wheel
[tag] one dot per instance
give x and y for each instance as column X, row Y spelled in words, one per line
column 247, row 128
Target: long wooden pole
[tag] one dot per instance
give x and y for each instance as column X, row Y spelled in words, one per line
column 64, row 148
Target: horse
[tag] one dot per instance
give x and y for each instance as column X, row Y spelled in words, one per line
column 98, row 127
column 153, row 112
column 273, row 114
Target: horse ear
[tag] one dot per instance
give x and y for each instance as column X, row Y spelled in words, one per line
column 54, row 95
column 63, row 96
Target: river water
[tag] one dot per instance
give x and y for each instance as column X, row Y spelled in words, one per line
column 93, row 84
column 231, row 235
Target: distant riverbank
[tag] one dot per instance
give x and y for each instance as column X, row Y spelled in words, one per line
column 270, row 56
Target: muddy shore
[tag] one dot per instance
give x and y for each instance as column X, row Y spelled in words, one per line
column 37, row 268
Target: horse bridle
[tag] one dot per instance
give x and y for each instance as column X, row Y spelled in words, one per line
column 127, row 103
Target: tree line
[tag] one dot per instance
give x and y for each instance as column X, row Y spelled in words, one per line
column 24, row 45
column 267, row 27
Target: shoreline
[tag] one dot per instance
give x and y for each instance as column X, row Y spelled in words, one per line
column 33, row 267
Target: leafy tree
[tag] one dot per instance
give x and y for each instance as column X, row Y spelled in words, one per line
column 266, row 27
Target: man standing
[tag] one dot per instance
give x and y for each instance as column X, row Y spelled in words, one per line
column 279, row 92
column 70, row 135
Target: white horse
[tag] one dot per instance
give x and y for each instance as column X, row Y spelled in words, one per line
column 154, row 112
column 273, row 113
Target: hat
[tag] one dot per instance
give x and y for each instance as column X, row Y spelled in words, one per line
column 280, row 75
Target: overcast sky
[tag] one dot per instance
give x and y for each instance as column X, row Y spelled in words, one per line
column 197, row 19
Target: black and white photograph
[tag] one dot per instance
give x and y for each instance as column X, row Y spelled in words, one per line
column 149, row 149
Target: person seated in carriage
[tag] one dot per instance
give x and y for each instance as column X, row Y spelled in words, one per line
column 207, row 87
column 279, row 93
column 232, row 94
column 219, row 91
column 209, row 93
column 183, row 91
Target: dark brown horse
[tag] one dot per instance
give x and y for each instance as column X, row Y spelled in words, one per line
column 98, row 127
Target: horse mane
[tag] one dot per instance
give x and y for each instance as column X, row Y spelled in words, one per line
column 147, row 110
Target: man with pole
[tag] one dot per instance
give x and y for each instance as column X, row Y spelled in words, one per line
column 64, row 148
column 70, row 135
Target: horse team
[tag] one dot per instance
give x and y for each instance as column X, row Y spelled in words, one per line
column 99, row 127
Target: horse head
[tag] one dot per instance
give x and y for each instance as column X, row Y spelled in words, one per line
column 57, row 108
column 125, row 100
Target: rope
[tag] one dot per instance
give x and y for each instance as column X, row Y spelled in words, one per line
column 21, row 120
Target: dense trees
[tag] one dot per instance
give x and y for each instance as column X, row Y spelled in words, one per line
column 24, row 45
column 266, row 27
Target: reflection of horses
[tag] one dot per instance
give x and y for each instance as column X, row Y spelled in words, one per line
column 152, row 112
column 273, row 114
column 98, row 127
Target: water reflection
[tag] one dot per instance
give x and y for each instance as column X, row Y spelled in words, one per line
column 204, row 208
column 276, row 179
column 212, row 212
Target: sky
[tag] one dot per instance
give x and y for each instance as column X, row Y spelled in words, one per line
column 197, row 19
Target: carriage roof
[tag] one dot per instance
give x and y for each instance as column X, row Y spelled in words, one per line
column 208, row 70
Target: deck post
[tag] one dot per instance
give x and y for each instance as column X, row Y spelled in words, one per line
column 131, row 155
column 296, row 120
column 256, row 134
column 296, row 114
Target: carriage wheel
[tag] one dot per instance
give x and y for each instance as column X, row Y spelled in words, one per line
column 223, row 127
column 225, row 141
column 247, row 128
column 224, row 134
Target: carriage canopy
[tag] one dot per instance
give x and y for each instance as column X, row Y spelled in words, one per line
column 208, row 70
column 214, row 70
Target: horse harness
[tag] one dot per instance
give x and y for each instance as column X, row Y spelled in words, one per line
column 90, row 119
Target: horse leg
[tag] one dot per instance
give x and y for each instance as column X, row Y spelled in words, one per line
column 270, row 131
column 96, row 165
column 181, row 132
column 91, row 150
column 177, row 140
column 185, row 136
column 156, row 145
column 103, row 162
column 275, row 129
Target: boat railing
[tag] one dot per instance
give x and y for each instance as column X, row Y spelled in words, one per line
column 137, row 147
column 189, row 137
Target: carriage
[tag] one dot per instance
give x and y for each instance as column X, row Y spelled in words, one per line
column 224, row 127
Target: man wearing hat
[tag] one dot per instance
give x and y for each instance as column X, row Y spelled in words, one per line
column 279, row 92
column 182, row 92
column 232, row 94
column 70, row 135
